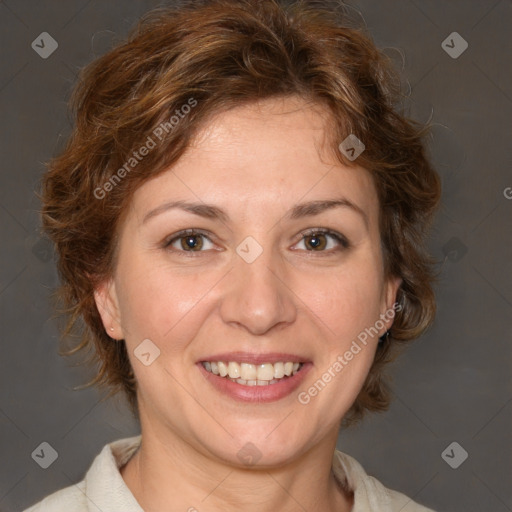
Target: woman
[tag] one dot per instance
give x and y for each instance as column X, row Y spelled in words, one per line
column 240, row 217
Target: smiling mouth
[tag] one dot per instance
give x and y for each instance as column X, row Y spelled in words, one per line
column 248, row 374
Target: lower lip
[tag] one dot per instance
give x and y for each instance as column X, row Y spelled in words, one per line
column 260, row 394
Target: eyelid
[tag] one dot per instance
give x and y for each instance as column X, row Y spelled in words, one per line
column 188, row 231
column 166, row 244
column 341, row 239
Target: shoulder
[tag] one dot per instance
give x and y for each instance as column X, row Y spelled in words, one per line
column 102, row 484
column 369, row 493
column 69, row 499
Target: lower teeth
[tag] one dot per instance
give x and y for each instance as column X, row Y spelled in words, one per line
column 254, row 382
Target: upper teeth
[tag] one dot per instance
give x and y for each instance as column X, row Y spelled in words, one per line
column 250, row 372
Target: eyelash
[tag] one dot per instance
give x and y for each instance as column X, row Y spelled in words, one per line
column 340, row 239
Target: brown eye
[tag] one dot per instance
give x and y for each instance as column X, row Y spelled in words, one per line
column 192, row 242
column 323, row 241
column 316, row 241
column 188, row 241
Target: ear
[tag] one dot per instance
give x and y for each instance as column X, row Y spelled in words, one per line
column 389, row 299
column 107, row 303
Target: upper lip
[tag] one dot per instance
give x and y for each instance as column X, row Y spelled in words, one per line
column 255, row 358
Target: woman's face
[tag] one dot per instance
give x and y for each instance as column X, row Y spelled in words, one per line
column 272, row 273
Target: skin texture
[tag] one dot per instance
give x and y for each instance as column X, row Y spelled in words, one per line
column 255, row 162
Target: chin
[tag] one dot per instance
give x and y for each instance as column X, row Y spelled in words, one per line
column 268, row 444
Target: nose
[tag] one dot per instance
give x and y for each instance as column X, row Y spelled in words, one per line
column 257, row 296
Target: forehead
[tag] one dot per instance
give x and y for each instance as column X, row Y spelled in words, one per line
column 261, row 157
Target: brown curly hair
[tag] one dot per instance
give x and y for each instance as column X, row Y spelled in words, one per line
column 224, row 53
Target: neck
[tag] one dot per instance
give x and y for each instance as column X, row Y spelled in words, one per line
column 168, row 471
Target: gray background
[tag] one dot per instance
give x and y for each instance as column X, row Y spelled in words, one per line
column 453, row 384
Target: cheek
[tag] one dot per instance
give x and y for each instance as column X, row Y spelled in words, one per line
column 347, row 300
column 157, row 302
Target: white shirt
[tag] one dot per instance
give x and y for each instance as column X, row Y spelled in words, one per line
column 103, row 488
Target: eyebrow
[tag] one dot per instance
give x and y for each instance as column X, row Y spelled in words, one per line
column 299, row 211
